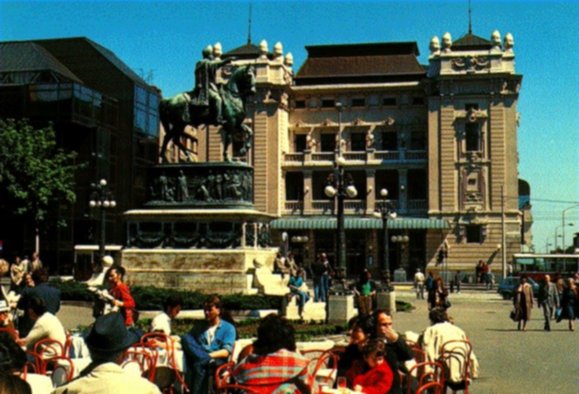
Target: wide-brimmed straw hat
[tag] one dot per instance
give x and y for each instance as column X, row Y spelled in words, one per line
column 109, row 334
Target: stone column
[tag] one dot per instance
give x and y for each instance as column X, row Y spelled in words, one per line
column 370, row 191
column 308, row 186
column 255, row 234
column 243, row 233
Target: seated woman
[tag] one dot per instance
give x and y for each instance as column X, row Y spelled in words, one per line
column 351, row 362
column 295, row 284
column 379, row 378
column 274, row 364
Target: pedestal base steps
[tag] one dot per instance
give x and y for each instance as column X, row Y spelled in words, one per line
column 229, row 271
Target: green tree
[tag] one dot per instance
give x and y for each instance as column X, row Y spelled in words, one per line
column 36, row 176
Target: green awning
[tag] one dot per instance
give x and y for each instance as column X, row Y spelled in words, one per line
column 329, row 223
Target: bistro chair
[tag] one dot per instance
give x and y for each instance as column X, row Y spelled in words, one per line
column 456, row 355
column 168, row 374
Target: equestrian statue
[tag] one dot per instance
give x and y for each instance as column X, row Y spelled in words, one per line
column 210, row 104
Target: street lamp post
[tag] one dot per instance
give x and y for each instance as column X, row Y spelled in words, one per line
column 340, row 185
column 563, row 222
column 557, row 236
column 101, row 199
column 387, row 212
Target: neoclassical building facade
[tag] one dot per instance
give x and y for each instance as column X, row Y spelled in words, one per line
column 441, row 138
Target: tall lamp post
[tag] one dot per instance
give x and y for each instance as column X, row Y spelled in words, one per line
column 101, row 199
column 387, row 212
column 557, row 236
column 563, row 222
column 340, row 186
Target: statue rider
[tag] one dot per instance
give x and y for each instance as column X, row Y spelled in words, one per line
column 206, row 92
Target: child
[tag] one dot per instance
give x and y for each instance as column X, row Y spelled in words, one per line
column 378, row 380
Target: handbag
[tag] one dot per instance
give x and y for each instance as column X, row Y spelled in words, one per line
column 513, row 315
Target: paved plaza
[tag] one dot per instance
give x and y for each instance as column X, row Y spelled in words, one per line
column 511, row 361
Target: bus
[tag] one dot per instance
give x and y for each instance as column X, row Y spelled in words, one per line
column 537, row 265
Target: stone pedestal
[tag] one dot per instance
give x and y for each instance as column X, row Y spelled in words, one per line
column 208, row 271
column 341, row 308
column 386, row 300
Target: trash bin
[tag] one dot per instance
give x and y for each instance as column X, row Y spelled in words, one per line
column 400, row 275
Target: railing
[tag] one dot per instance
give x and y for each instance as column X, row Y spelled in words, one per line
column 415, row 155
column 323, row 156
column 361, row 156
column 299, row 157
column 415, row 205
column 294, row 207
column 393, row 204
column 390, row 155
column 322, row 206
column 355, row 205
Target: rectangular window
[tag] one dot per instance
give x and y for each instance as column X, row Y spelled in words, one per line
column 417, row 100
column 389, row 101
column 300, row 104
column 418, row 140
column 294, row 186
column 358, row 102
column 389, row 141
column 358, row 142
column 299, row 143
column 470, row 106
column 319, row 182
column 327, row 142
column 386, row 179
column 327, row 103
column 472, row 137
column 417, row 184
column 474, row 234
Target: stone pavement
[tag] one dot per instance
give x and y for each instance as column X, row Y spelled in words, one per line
column 511, row 361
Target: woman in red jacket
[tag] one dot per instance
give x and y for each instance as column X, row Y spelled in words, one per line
column 378, row 380
column 123, row 300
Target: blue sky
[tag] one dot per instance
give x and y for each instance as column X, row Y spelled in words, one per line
column 162, row 40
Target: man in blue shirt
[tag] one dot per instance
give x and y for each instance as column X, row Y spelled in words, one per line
column 207, row 346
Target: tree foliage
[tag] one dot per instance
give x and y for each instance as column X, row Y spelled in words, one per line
column 36, row 176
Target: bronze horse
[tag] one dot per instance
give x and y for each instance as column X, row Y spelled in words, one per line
column 177, row 112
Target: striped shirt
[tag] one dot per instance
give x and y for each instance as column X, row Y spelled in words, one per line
column 273, row 373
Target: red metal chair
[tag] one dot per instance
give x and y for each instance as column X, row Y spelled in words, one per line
column 143, row 357
column 326, row 362
column 48, row 348
column 431, row 388
column 164, row 380
column 60, row 369
column 424, row 372
column 456, row 355
column 222, row 376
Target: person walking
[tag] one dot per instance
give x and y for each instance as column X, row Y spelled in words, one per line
column 548, row 299
column 419, row 284
column 523, row 303
column 321, row 270
column 430, row 287
column 569, row 303
column 457, row 280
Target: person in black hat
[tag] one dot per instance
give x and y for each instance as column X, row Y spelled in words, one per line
column 107, row 341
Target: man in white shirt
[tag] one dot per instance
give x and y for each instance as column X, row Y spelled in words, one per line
column 46, row 325
column 440, row 332
column 171, row 308
column 107, row 341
